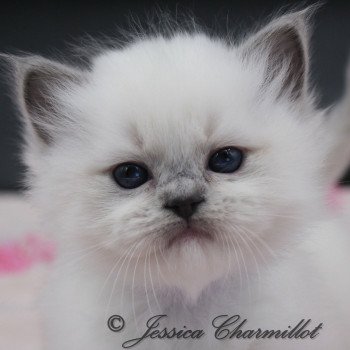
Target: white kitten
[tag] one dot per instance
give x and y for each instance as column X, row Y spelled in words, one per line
column 185, row 175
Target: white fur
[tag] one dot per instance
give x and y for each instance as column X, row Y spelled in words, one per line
column 277, row 255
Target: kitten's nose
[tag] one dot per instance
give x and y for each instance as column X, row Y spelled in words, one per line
column 184, row 207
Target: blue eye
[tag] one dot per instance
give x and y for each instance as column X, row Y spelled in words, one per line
column 130, row 175
column 226, row 160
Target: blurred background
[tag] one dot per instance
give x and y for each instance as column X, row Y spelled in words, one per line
column 48, row 27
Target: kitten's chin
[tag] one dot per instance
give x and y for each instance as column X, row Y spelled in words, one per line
column 189, row 236
column 193, row 261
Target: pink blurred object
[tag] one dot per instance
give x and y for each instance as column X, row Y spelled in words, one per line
column 336, row 199
column 17, row 256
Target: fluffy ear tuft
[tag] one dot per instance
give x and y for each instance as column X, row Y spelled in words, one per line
column 283, row 47
column 38, row 84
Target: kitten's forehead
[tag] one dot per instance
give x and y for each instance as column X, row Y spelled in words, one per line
column 170, row 137
column 183, row 73
column 171, row 100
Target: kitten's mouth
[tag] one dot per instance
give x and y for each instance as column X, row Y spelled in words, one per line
column 188, row 234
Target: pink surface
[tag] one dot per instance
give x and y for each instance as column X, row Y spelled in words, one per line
column 336, row 197
column 19, row 255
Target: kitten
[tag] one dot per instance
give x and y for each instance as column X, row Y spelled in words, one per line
column 185, row 175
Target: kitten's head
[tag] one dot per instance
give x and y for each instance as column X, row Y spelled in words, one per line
column 186, row 154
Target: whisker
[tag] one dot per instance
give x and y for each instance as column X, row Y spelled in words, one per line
column 158, row 266
column 262, row 242
column 117, row 277
column 73, row 262
column 277, row 216
column 151, row 279
column 170, row 268
column 238, row 227
column 133, row 289
column 145, row 280
column 126, row 272
column 238, row 262
column 115, row 265
column 228, row 252
column 252, row 253
column 244, row 265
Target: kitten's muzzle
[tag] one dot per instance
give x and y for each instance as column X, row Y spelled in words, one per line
column 185, row 207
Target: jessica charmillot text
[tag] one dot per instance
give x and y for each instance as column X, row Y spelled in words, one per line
column 224, row 327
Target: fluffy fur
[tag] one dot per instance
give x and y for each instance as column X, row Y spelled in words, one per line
column 276, row 255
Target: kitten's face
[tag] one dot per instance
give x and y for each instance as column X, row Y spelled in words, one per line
column 168, row 106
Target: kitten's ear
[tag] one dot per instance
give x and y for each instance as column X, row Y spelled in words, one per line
column 39, row 85
column 283, row 47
